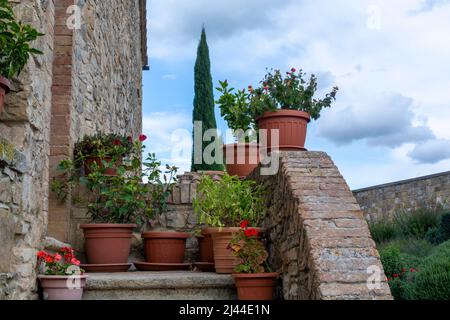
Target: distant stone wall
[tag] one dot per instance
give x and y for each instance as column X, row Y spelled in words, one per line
column 424, row 192
column 24, row 135
column 317, row 237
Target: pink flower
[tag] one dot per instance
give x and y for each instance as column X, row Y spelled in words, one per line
column 293, row 70
column 58, row 257
column 142, row 137
column 75, row 262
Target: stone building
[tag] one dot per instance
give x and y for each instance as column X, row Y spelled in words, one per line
column 89, row 79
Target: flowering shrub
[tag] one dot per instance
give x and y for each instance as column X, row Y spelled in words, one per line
column 61, row 263
column 251, row 251
column 139, row 189
column 241, row 108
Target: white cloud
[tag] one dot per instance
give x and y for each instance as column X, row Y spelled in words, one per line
column 169, row 76
column 432, row 151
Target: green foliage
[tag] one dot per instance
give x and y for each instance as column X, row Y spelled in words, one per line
column 418, row 222
column 228, row 201
column 391, row 260
column 411, row 246
column 102, row 146
column 15, row 39
column 383, row 230
column 432, row 282
column 121, row 198
column 204, row 102
column 251, row 252
column 441, row 233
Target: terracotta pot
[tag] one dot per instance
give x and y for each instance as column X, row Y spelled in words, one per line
column 224, row 259
column 91, row 160
column 205, row 248
column 257, row 286
column 107, row 243
column 5, row 87
column 244, row 158
column 62, row 287
column 164, row 246
column 292, row 125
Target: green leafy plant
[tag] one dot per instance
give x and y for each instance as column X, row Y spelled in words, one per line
column 432, row 281
column 249, row 250
column 137, row 192
column 241, row 108
column 383, row 230
column 15, row 39
column 103, row 146
column 441, row 233
column 418, row 222
column 228, row 201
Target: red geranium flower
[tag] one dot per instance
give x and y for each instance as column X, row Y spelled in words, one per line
column 116, row 142
column 142, row 137
column 395, row 275
column 49, row 259
column 293, row 69
column 412, row 270
column 41, row 254
column 251, row 232
column 244, row 224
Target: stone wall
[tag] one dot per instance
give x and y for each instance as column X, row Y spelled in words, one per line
column 317, row 236
column 97, row 87
column 424, row 192
column 24, row 131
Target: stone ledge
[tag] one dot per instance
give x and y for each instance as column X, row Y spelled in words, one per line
column 156, row 280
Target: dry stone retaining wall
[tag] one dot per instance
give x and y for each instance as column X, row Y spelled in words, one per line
column 317, row 236
column 387, row 199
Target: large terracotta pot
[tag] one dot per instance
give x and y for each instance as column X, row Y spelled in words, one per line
column 62, row 287
column 107, row 243
column 224, row 259
column 244, row 158
column 205, row 248
column 109, row 171
column 257, row 286
column 5, row 87
column 292, row 125
column 164, row 246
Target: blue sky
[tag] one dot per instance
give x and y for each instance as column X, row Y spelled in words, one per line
column 391, row 60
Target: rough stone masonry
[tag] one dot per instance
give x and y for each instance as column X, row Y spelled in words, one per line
column 317, row 236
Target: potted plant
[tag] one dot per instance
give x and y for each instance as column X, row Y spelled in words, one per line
column 105, row 151
column 242, row 157
column 15, row 50
column 285, row 104
column 62, row 278
column 116, row 204
column 205, row 261
column 221, row 205
column 253, row 277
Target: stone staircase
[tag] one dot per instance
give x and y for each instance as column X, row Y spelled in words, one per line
column 175, row 285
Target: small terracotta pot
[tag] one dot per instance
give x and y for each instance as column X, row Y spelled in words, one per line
column 292, row 126
column 257, row 286
column 5, row 87
column 107, row 243
column 164, row 246
column 205, row 248
column 244, row 158
column 91, row 160
column 224, row 259
column 62, row 287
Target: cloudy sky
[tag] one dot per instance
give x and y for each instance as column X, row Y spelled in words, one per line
column 391, row 60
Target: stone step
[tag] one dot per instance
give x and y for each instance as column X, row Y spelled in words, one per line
column 176, row 285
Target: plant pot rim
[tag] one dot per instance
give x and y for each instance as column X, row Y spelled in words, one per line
column 165, row 235
column 284, row 113
column 108, row 225
column 255, row 275
column 49, row 277
column 5, row 83
column 209, row 230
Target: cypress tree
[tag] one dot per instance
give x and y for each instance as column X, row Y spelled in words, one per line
column 204, row 101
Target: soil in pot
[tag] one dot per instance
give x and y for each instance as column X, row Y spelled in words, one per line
column 164, row 246
column 107, row 243
column 257, row 286
column 292, row 126
column 57, row 287
column 109, row 171
column 241, row 158
column 5, row 87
